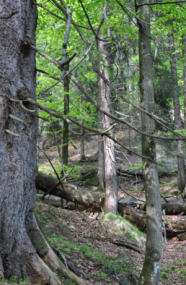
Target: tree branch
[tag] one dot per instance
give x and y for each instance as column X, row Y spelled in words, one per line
column 9, row 16
column 160, row 3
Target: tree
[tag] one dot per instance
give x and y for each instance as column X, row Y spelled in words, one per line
column 152, row 263
column 66, row 127
column 111, row 191
column 177, row 116
column 23, row 249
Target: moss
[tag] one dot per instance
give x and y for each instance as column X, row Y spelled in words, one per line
column 44, row 243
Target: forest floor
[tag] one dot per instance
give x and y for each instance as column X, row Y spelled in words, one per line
column 86, row 239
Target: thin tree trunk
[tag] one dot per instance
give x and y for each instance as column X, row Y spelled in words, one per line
column 82, row 154
column 111, row 194
column 65, row 126
column 101, row 156
column 152, row 263
column 177, row 117
column 184, row 76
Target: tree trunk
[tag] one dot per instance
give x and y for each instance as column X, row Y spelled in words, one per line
column 66, row 127
column 177, row 117
column 82, row 153
column 152, row 263
column 111, row 191
column 20, row 255
column 184, row 76
column 101, row 157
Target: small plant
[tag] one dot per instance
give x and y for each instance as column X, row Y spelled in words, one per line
column 164, row 275
column 183, row 271
column 173, row 267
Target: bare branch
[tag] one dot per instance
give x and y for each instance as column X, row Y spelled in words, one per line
column 77, row 83
column 9, row 16
column 26, row 109
column 42, row 53
column 57, row 16
column 161, row 3
column 59, row 115
column 96, row 34
column 51, row 165
column 12, row 133
column 19, row 120
column 140, row 20
column 87, row 17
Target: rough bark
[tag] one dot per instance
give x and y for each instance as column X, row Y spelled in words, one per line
column 184, row 76
column 18, row 154
column 20, row 255
column 177, row 117
column 66, row 127
column 101, row 157
column 82, row 153
column 111, row 191
column 152, row 263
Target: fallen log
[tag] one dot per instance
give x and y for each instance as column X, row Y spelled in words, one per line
column 139, row 172
column 89, row 199
column 138, row 218
column 70, row 192
column 94, row 202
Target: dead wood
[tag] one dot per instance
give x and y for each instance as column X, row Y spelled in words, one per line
column 81, row 198
column 138, row 173
column 138, row 218
column 78, row 195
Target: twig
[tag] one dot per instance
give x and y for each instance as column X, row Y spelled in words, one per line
column 19, row 120
column 59, row 152
column 129, row 194
column 9, row 16
column 57, row 184
column 50, row 164
column 57, row 16
column 160, row 3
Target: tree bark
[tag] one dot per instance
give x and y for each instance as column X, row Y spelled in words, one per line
column 184, row 76
column 152, row 263
column 65, row 126
column 20, row 255
column 111, row 191
column 177, row 117
column 101, row 157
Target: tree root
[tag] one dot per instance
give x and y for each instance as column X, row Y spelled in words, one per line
column 46, row 253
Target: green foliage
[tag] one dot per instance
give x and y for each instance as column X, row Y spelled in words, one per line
column 164, row 275
column 137, row 166
column 169, row 183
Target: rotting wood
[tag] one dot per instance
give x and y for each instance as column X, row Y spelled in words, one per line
column 81, row 198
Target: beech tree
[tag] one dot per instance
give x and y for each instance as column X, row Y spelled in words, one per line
column 152, row 263
column 109, row 164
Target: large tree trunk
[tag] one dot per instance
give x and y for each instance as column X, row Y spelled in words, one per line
column 111, row 191
column 152, row 263
column 20, row 255
column 177, row 117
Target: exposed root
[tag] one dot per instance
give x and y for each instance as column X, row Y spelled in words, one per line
column 46, row 253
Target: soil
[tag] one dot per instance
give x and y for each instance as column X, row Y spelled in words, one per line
column 85, row 239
